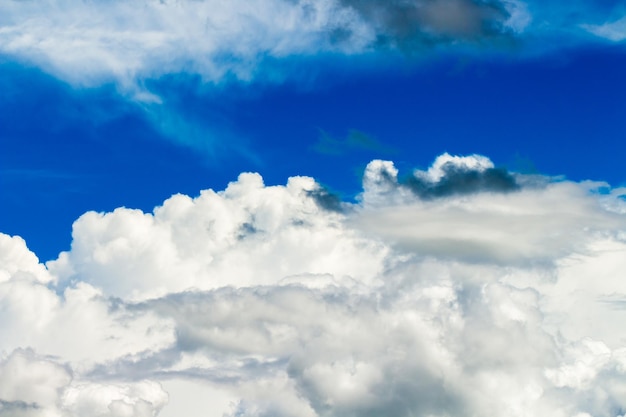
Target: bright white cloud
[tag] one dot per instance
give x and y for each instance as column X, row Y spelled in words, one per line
column 270, row 301
column 20, row 263
column 91, row 42
column 249, row 234
column 438, row 169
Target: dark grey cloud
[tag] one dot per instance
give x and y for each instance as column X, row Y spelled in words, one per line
column 411, row 24
column 458, row 180
column 326, row 199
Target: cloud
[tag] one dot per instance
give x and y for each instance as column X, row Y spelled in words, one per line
column 19, row 262
column 449, row 175
column 31, row 383
column 135, row 45
column 89, row 43
column 223, row 238
column 415, row 24
column 464, row 208
column 484, row 300
column 614, row 31
column 35, row 386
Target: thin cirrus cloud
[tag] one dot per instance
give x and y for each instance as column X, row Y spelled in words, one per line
column 260, row 301
column 613, row 30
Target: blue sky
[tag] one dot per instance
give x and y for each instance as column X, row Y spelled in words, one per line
column 547, row 99
column 312, row 208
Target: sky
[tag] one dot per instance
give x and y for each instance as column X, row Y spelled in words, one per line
column 312, row 208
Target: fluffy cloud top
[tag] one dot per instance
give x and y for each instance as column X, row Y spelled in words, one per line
column 481, row 300
column 249, row 234
column 123, row 41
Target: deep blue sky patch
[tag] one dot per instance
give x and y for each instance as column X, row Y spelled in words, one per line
column 66, row 149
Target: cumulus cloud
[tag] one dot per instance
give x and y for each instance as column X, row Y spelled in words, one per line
column 87, row 43
column 31, row 385
column 488, row 215
column 247, row 234
column 265, row 301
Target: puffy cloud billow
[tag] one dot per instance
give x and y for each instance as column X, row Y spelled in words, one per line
column 461, row 290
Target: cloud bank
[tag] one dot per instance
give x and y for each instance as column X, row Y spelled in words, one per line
column 264, row 301
column 88, row 43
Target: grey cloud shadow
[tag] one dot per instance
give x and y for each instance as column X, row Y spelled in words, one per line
column 456, row 180
column 17, row 406
column 326, row 200
column 417, row 24
column 463, row 181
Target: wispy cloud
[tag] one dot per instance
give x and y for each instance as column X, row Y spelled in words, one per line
column 87, row 43
column 614, row 31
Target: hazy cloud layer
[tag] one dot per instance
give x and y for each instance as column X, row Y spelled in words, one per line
column 260, row 301
column 87, row 43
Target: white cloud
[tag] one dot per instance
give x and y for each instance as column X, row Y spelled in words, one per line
column 90, row 42
column 79, row 324
column 264, row 302
column 534, row 223
column 614, row 31
column 248, row 234
column 35, row 386
column 20, row 263
column 139, row 399
column 31, row 381
column 208, row 401
column 438, row 169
